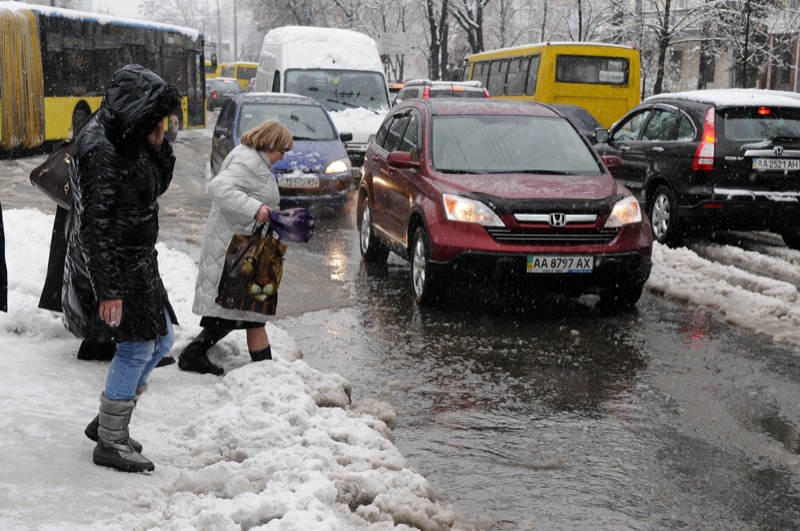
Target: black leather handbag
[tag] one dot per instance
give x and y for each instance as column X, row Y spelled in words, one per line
column 52, row 176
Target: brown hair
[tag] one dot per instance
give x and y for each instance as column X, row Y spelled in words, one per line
column 269, row 135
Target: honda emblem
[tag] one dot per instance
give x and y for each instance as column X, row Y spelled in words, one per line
column 778, row 151
column 558, row 220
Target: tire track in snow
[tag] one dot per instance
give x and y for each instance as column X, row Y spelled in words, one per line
column 749, row 299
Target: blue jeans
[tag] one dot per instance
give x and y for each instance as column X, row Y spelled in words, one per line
column 133, row 363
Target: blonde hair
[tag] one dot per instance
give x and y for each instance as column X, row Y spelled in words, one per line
column 270, row 135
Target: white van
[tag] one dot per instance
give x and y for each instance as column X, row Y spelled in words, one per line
column 339, row 68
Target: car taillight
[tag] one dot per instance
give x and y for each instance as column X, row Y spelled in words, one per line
column 214, row 94
column 485, row 91
column 426, row 92
column 704, row 156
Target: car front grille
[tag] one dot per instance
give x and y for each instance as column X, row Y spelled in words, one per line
column 506, row 235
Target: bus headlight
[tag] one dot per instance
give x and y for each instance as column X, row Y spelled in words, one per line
column 625, row 211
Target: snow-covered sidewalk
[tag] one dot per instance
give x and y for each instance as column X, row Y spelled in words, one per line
column 271, row 445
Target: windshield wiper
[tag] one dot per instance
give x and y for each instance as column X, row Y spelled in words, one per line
column 542, row 172
column 352, row 105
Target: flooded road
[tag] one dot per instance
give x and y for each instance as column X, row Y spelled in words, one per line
column 540, row 415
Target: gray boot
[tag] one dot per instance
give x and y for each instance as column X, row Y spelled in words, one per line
column 113, row 448
column 91, row 429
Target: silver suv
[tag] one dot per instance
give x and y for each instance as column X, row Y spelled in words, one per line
column 425, row 88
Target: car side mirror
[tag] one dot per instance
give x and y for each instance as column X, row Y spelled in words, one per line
column 612, row 162
column 601, row 135
column 345, row 137
column 401, row 159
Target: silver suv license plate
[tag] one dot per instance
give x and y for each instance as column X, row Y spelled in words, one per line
column 776, row 164
column 560, row 264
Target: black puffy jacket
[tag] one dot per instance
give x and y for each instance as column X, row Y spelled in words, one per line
column 116, row 178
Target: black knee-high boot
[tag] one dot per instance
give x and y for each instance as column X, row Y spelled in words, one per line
column 195, row 356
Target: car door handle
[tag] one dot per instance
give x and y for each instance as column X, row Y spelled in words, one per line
column 658, row 149
column 625, row 148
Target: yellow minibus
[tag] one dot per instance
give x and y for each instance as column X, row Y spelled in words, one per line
column 242, row 71
column 602, row 78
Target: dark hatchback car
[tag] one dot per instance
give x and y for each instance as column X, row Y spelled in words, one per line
column 583, row 119
column 316, row 171
column 500, row 192
column 700, row 161
column 220, row 89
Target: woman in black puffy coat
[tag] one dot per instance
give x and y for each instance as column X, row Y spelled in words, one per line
column 112, row 287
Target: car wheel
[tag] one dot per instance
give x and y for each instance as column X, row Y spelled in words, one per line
column 622, row 298
column 428, row 287
column 663, row 216
column 373, row 251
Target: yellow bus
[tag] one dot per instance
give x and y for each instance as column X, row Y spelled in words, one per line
column 55, row 64
column 604, row 79
column 212, row 69
column 242, row 71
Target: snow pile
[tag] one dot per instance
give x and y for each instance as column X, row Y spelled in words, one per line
column 274, row 445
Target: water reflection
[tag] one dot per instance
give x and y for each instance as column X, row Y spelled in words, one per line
column 539, row 358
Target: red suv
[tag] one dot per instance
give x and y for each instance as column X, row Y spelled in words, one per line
column 504, row 192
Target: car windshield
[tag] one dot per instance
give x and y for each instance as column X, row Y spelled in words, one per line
column 447, row 92
column 305, row 122
column 339, row 90
column 761, row 123
column 509, row 144
column 226, row 86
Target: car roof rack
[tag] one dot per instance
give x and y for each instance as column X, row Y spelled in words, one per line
column 430, row 83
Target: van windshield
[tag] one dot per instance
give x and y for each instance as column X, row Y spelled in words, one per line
column 339, row 90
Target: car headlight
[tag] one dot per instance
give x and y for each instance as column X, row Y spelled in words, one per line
column 338, row 166
column 470, row 211
column 624, row 212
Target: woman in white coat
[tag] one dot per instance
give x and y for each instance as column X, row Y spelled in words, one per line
column 242, row 194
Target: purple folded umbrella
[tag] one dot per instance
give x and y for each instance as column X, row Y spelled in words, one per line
column 292, row 224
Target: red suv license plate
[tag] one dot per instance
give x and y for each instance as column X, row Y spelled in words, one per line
column 560, row 264
column 776, row 164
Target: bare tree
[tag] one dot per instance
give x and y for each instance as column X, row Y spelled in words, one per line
column 192, row 14
column 469, row 15
column 436, row 13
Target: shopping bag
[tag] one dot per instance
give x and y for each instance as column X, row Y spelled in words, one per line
column 252, row 272
column 52, row 176
column 292, row 224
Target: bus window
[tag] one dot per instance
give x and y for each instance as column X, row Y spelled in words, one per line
column 517, row 73
column 497, row 78
column 533, row 75
column 480, row 72
column 591, row 70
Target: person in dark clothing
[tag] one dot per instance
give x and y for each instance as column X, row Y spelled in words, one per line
column 112, row 287
column 3, row 270
column 50, row 298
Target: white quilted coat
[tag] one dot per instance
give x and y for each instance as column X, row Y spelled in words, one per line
column 242, row 185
